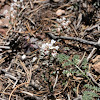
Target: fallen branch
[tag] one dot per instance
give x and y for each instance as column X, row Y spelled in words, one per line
column 4, row 47
column 95, row 44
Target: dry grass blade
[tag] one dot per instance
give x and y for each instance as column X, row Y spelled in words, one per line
column 27, row 71
column 2, row 60
column 4, row 47
column 16, row 88
column 93, row 51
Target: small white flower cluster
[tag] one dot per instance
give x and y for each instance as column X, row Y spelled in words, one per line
column 12, row 8
column 46, row 47
column 15, row 3
column 12, row 11
column 15, row 0
column 5, row 12
column 64, row 22
column 8, row 14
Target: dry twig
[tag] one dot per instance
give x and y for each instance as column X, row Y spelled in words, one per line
column 16, row 88
column 95, row 44
column 89, row 74
column 93, row 51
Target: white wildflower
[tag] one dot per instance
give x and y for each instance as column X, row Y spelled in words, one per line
column 15, row 4
column 69, row 74
column 22, row 6
column 18, row 5
column 56, row 47
column 15, row 0
column 49, row 46
column 46, row 52
column 68, row 22
column 12, row 4
column 58, row 29
column 54, row 53
column 44, row 46
column 12, row 15
column 52, row 41
column 63, row 24
column 5, row 12
column 63, row 18
column 11, row 9
column 14, row 11
column 59, row 20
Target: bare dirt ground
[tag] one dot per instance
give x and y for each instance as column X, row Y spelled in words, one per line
column 49, row 50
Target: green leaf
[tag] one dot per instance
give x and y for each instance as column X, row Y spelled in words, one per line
column 75, row 59
column 62, row 57
column 88, row 95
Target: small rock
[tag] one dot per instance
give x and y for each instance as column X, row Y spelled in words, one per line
column 34, row 59
column 59, row 12
column 56, row 0
column 35, row 66
column 23, row 57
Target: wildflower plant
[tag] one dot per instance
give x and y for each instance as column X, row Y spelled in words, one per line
column 47, row 47
column 64, row 22
column 90, row 92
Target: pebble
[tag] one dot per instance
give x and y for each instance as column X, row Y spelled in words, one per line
column 59, row 12
column 56, row 0
column 34, row 59
column 23, row 57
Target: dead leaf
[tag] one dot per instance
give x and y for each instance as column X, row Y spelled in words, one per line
column 97, row 67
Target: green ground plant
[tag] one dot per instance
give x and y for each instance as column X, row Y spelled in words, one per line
column 66, row 61
column 90, row 91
